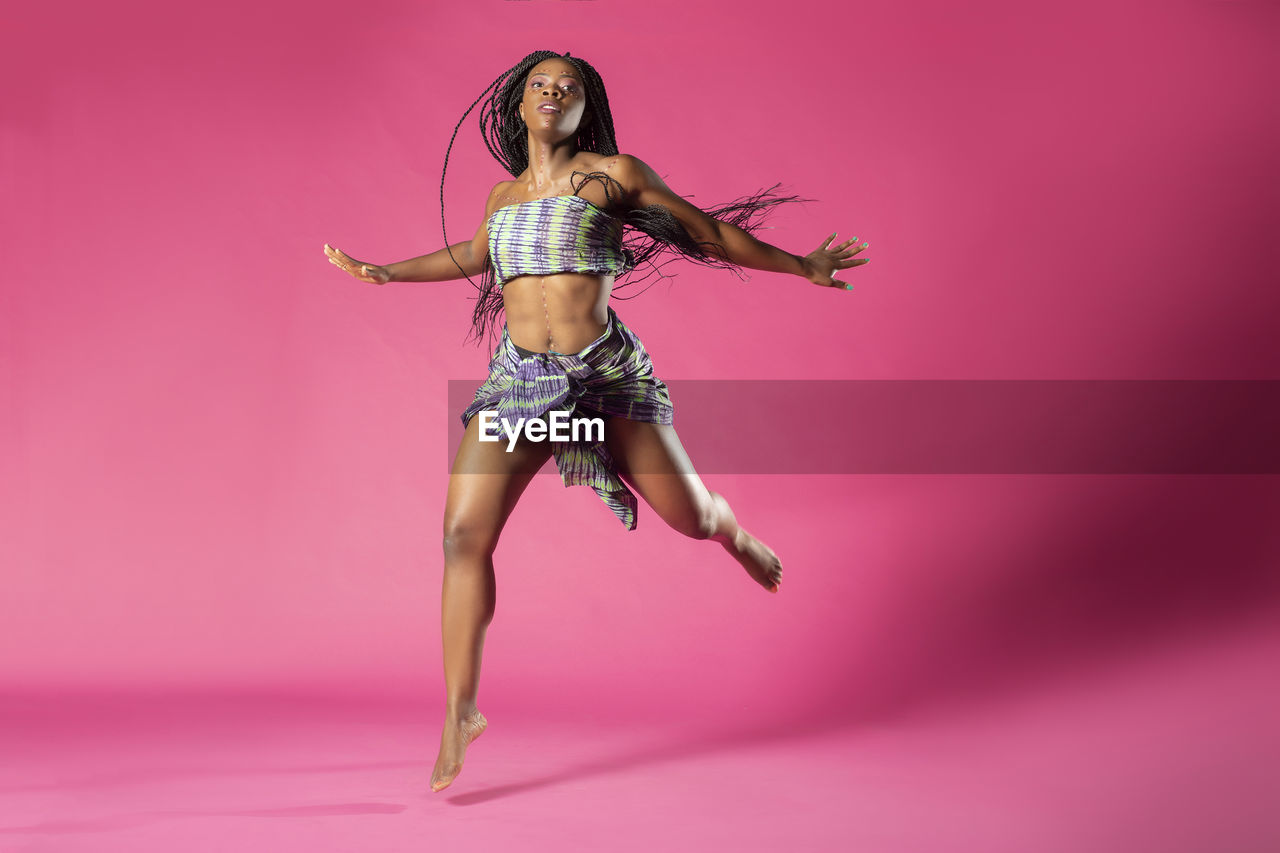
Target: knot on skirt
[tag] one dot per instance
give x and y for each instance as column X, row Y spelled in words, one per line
column 540, row 385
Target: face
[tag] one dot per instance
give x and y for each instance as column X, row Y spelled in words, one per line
column 554, row 98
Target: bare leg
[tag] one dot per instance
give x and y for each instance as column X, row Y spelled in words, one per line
column 651, row 459
column 484, row 485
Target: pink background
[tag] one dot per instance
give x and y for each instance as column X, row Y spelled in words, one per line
column 222, row 461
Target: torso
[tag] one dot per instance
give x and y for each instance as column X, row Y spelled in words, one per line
column 565, row 311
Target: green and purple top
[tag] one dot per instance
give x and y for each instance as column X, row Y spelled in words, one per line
column 565, row 233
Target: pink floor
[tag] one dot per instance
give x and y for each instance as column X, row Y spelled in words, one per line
column 1174, row 750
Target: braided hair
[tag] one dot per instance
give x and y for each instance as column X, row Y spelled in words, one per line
column 650, row 232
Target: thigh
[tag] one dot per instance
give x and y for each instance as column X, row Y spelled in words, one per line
column 652, row 461
column 485, row 483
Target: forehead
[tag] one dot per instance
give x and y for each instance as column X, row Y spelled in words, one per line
column 557, row 69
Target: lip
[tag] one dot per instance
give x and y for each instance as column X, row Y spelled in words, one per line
column 548, row 107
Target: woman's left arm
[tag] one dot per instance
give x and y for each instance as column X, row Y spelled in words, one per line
column 644, row 187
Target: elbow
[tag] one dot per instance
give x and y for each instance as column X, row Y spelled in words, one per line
column 724, row 241
column 468, row 260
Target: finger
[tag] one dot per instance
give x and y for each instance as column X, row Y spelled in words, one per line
column 827, row 242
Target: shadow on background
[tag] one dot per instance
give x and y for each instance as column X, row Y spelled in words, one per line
column 1159, row 561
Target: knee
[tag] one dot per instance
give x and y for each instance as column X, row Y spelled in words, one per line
column 464, row 538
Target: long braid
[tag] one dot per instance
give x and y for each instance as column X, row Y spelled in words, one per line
column 486, row 277
column 651, row 232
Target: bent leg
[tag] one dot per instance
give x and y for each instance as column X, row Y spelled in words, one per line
column 484, row 485
column 652, row 461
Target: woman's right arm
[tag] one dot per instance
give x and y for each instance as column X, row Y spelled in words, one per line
column 438, row 266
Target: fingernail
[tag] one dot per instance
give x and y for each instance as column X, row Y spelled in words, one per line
column 848, row 287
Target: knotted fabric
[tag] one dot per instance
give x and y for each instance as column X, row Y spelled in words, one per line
column 611, row 376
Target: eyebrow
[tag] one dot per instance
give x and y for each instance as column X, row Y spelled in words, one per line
column 549, row 74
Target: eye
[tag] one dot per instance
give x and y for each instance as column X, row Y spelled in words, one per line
column 568, row 88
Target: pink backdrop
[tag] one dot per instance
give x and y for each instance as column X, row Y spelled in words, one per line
column 224, row 461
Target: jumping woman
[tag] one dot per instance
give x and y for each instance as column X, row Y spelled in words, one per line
column 548, row 253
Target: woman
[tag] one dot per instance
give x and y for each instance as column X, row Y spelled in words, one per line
column 550, row 249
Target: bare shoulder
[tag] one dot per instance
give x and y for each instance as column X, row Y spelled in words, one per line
column 501, row 190
column 621, row 166
column 631, row 173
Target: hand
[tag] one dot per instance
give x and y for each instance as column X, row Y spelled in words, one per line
column 821, row 265
column 371, row 273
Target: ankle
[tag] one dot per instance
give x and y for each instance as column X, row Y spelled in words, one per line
column 456, row 712
column 732, row 542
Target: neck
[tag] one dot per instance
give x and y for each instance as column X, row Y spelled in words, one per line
column 548, row 160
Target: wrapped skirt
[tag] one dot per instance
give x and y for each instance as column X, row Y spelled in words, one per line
column 611, row 376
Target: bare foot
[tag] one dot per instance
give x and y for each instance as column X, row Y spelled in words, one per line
column 454, row 738
column 757, row 558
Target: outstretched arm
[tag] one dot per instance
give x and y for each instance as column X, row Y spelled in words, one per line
column 645, row 187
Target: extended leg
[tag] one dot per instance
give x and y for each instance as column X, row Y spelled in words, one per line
column 484, row 485
column 652, row 460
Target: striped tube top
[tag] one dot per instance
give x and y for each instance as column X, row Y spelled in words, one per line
column 564, row 233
